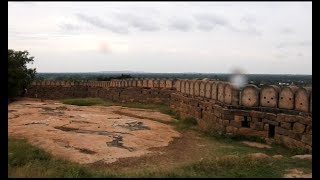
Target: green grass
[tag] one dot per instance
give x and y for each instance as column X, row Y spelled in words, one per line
column 184, row 124
column 84, row 101
column 25, row 160
column 98, row 101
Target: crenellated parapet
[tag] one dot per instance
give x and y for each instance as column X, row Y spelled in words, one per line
column 280, row 114
column 271, row 96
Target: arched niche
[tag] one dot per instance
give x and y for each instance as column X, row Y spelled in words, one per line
column 310, row 101
column 168, row 83
column 178, row 85
column 156, row 83
column 214, row 90
column 196, row 88
column 208, row 88
column 227, row 94
column 150, row 83
column 183, row 87
column 302, row 99
column 187, row 87
column 269, row 96
column 250, row 96
column 134, row 83
column 162, row 83
column 221, row 86
column 144, row 83
column 202, row 86
column 286, row 97
column 191, row 87
column 139, row 83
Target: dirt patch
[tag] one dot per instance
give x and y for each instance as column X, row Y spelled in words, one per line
column 182, row 150
column 256, row 144
column 88, row 134
column 258, row 156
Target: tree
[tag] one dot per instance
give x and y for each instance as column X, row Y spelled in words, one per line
column 19, row 76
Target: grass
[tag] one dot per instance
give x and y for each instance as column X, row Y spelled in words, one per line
column 26, row 160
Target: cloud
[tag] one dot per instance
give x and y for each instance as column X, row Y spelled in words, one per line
column 249, row 19
column 209, row 21
column 300, row 54
column 141, row 23
column 181, row 25
column 287, row 30
column 294, row 44
column 97, row 22
column 69, row 27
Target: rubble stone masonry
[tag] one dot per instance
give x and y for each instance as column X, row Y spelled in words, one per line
column 279, row 115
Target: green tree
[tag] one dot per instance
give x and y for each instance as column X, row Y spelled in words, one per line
column 19, row 76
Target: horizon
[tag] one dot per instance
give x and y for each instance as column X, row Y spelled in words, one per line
column 164, row 37
column 135, row 72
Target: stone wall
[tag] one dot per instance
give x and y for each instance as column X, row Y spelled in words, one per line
column 280, row 115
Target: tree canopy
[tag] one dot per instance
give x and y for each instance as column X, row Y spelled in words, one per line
column 19, row 76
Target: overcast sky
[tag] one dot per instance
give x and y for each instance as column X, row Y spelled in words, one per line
column 205, row 37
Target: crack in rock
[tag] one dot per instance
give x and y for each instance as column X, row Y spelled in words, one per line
column 118, row 142
column 134, row 126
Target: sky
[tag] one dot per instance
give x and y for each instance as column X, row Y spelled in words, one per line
column 164, row 37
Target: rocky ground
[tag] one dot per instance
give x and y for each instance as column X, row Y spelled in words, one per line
column 117, row 137
column 88, row 134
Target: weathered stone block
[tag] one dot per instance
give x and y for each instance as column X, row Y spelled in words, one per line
column 298, row 127
column 291, row 143
column 238, row 118
column 235, row 124
column 309, row 129
column 294, row 135
column 281, row 131
column 290, row 118
column 256, row 119
column 270, row 116
column 304, row 120
column 275, row 123
column 257, row 114
column 307, row 139
column 252, row 132
column 227, row 116
column 285, row 125
column 225, row 122
column 281, row 117
column 231, row 129
column 266, row 127
column 257, row 126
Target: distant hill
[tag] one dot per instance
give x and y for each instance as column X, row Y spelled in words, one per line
column 121, row 72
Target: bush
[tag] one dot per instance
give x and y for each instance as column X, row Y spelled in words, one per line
column 19, row 76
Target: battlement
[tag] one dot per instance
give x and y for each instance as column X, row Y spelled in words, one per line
column 277, row 114
column 272, row 96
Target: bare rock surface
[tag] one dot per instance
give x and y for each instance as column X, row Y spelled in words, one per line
column 305, row 156
column 258, row 156
column 87, row 134
column 256, row 144
column 296, row 173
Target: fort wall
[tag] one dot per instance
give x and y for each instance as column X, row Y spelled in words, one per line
column 279, row 115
